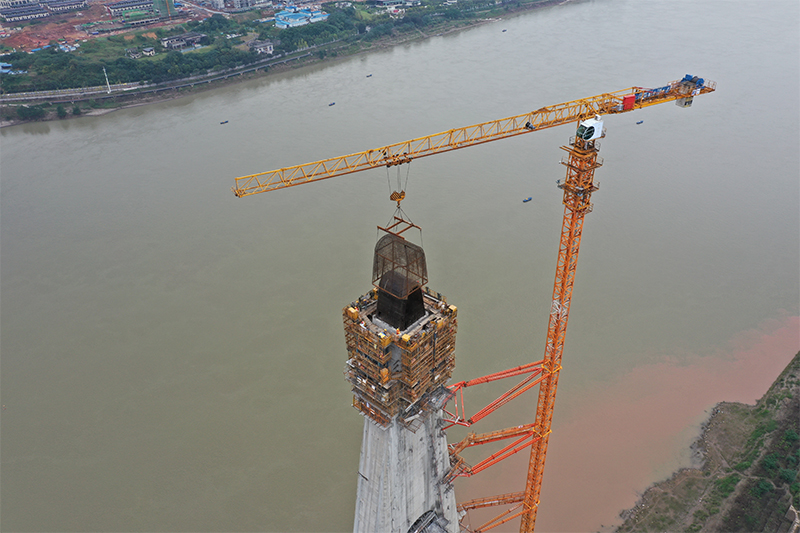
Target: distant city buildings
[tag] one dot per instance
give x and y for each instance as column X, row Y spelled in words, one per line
column 5, row 4
column 240, row 5
column 19, row 10
column 60, row 6
column 293, row 16
column 118, row 8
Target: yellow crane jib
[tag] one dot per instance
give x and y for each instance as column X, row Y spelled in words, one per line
column 681, row 91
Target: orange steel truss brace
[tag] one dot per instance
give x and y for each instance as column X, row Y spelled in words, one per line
column 455, row 419
column 578, row 187
column 525, row 437
column 503, row 499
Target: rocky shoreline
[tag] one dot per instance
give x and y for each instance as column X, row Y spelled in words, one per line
column 747, row 477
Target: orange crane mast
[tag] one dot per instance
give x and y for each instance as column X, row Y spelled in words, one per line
column 581, row 162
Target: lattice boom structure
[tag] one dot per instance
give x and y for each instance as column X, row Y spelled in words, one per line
column 399, row 372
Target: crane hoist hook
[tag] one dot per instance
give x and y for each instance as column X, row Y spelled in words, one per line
column 397, row 196
column 398, row 192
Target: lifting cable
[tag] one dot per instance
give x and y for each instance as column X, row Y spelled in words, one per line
column 398, row 194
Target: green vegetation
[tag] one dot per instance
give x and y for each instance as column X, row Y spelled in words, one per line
column 352, row 28
column 165, row 7
column 725, row 485
column 769, row 458
column 53, row 69
column 30, row 112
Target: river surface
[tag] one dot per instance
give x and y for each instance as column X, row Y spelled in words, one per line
column 172, row 356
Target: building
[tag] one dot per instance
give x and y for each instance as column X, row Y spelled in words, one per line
column 26, row 12
column 118, row 8
column 261, row 47
column 401, row 353
column 19, row 10
column 61, row 6
column 5, row 68
column 5, row 4
column 141, row 21
column 292, row 17
column 149, row 51
column 191, row 38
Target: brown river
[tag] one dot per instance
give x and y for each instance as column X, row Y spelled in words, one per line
column 172, row 356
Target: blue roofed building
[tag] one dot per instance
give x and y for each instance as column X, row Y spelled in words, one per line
column 292, row 17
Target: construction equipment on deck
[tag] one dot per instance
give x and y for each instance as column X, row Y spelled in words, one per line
column 578, row 187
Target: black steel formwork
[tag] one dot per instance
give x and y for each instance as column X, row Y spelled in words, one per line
column 399, row 271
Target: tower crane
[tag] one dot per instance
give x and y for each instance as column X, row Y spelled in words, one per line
column 581, row 162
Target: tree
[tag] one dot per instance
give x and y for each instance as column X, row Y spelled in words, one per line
column 762, row 487
column 60, row 111
column 76, row 110
column 30, row 113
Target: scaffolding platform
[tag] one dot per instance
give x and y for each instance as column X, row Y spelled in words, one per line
column 399, row 372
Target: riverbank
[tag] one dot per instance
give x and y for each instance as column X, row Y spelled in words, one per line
column 748, row 479
column 182, row 88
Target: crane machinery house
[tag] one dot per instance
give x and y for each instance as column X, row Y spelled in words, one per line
column 591, row 129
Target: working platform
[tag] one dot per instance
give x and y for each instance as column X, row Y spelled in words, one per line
column 399, row 372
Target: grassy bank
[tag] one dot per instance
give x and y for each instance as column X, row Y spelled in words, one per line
column 749, row 478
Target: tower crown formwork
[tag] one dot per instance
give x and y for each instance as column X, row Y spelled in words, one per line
column 401, row 340
column 399, row 372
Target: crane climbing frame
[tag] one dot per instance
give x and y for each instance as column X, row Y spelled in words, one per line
column 578, row 187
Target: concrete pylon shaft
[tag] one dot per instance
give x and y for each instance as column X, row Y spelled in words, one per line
column 400, row 482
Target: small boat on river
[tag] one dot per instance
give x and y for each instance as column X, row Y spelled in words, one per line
column 528, row 199
column 224, row 122
column 332, row 103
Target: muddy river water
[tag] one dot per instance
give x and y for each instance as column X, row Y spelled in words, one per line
column 172, row 356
